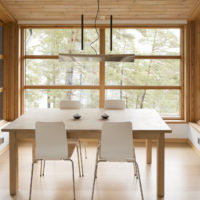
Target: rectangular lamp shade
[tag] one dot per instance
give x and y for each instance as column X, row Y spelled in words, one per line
column 96, row 58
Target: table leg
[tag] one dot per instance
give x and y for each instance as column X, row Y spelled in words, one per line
column 148, row 151
column 161, row 165
column 13, row 159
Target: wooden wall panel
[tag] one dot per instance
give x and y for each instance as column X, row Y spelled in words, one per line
column 194, row 46
column 11, row 71
column 187, row 70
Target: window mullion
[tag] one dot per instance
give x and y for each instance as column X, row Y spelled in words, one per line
column 102, row 69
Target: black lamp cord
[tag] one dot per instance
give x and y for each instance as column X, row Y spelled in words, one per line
column 95, row 23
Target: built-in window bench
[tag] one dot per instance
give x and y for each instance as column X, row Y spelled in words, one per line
column 196, row 126
column 194, row 136
column 4, row 138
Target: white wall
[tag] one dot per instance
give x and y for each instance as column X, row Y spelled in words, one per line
column 184, row 131
column 178, row 131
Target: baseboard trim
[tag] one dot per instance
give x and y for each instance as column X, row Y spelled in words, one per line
column 176, row 140
column 167, row 140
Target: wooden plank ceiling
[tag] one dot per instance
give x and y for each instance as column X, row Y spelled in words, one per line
column 5, row 15
column 23, row 10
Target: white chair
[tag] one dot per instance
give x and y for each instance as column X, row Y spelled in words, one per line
column 70, row 104
column 51, row 144
column 114, row 104
column 73, row 104
column 116, row 146
column 117, row 104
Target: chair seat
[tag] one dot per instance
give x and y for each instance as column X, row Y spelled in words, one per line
column 115, row 159
column 71, row 148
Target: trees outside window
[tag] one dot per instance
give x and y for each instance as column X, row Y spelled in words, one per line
column 152, row 81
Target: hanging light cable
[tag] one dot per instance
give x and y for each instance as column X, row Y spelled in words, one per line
column 95, row 24
column 82, row 29
column 111, row 23
column 97, row 57
column 111, row 20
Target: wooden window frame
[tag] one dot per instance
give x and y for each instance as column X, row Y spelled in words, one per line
column 102, row 86
column 2, row 88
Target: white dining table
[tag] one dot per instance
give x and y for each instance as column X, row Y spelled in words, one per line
column 146, row 124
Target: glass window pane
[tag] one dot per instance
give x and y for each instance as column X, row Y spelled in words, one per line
column 53, row 72
column 166, row 102
column 144, row 72
column 55, row 41
column 144, row 41
column 41, row 98
column 1, row 105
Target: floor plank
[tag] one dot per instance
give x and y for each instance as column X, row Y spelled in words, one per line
column 115, row 180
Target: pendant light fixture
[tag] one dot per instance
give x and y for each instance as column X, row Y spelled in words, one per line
column 82, row 32
column 111, row 32
column 97, row 57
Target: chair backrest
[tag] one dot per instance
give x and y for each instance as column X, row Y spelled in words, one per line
column 117, row 141
column 50, row 141
column 114, row 104
column 70, row 104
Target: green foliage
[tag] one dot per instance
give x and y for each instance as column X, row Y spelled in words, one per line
column 143, row 72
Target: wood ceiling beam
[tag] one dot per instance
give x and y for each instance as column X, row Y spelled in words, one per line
column 195, row 14
column 5, row 15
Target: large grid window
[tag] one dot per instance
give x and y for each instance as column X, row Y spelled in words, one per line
column 154, row 80
column 1, row 72
column 47, row 81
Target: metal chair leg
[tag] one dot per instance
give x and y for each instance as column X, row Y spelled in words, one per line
column 81, row 158
column 31, row 181
column 95, row 174
column 73, row 178
column 134, row 165
column 97, row 154
column 138, row 172
column 85, row 152
column 41, row 168
column 78, row 161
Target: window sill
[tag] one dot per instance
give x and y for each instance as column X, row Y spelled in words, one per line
column 178, row 121
column 2, row 123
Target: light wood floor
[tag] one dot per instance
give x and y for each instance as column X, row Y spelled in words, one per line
column 115, row 180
